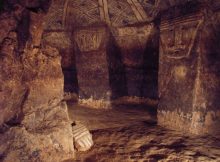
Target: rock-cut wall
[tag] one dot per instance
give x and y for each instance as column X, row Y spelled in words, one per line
column 189, row 68
column 34, row 123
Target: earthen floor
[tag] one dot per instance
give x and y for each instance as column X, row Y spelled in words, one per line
column 130, row 134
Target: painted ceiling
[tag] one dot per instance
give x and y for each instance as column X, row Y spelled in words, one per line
column 81, row 13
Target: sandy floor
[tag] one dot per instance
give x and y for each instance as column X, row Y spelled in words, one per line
column 130, row 134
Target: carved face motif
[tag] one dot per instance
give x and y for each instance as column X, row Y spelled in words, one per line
column 177, row 38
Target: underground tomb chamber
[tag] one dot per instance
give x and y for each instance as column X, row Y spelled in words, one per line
column 128, row 61
column 99, row 53
column 107, row 69
column 178, row 48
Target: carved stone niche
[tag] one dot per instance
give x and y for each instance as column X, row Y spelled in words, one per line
column 92, row 66
column 189, row 70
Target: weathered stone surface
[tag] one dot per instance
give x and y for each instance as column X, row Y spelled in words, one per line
column 53, row 144
column 34, row 121
column 11, row 89
column 189, row 70
column 58, row 36
column 62, row 41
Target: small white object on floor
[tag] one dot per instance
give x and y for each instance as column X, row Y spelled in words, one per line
column 82, row 137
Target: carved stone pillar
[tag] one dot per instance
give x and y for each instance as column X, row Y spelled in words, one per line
column 92, row 66
column 189, row 75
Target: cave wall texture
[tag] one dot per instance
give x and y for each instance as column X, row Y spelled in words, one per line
column 109, row 49
column 34, row 119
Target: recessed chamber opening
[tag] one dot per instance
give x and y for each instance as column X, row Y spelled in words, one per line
column 112, row 71
column 109, row 64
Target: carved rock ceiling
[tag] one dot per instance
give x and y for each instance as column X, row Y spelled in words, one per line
column 112, row 12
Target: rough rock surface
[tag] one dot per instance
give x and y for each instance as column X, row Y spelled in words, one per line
column 11, row 89
column 62, row 41
column 34, row 121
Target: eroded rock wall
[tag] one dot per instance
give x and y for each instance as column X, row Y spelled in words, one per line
column 34, row 121
column 189, row 69
column 12, row 91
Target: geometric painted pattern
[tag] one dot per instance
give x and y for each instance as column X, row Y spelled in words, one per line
column 120, row 13
column 82, row 12
column 149, row 7
column 55, row 16
column 117, row 13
